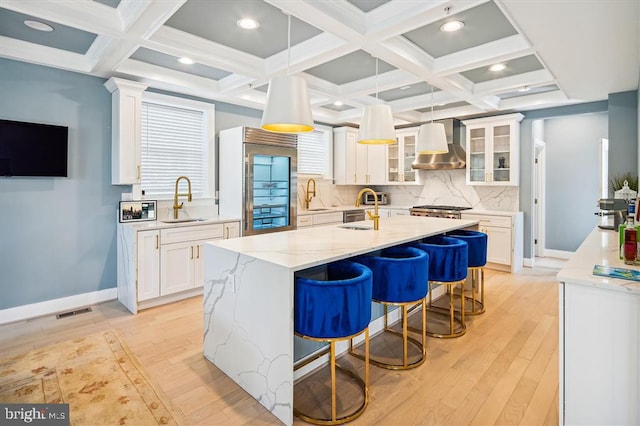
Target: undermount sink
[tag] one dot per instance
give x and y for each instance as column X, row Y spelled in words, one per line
column 183, row 219
column 356, row 227
column 317, row 210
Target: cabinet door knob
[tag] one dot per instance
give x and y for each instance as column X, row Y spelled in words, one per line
column 191, row 251
column 138, row 172
column 157, row 242
column 198, row 251
column 227, row 232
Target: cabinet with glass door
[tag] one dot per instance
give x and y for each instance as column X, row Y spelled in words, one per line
column 400, row 156
column 493, row 150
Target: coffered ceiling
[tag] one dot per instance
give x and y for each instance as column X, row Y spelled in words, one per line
column 554, row 52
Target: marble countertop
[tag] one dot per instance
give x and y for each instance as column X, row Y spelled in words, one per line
column 308, row 247
column 491, row 212
column 158, row 224
column 599, row 248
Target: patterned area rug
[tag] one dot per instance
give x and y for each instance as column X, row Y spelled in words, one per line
column 96, row 375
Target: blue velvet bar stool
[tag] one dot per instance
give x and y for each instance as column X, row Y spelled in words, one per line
column 477, row 242
column 447, row 266
column 400, row 278
column 333, row 310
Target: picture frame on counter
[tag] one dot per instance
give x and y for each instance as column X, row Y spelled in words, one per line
column 137, row 211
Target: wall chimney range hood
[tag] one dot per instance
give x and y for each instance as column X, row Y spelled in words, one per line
column 454, row 159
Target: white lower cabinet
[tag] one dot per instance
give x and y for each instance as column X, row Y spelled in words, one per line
column 167, row 263
column 505, row 241
column 148, row 262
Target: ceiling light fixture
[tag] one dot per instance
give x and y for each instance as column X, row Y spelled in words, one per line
column 451, row 26
column 288, row 109
column 376, row 125
column 247, row 23
column 524, row 89
column 338, row 103
column 186, row 61
column 37, row 25
column 431, row 136
column 497, row 67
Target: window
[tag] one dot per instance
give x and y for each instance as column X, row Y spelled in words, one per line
column 314, row 152
column 177, row 140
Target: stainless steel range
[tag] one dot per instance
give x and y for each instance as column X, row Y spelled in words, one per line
column 450, row 212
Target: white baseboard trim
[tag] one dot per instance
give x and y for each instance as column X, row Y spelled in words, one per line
column 558, row 254
column 24, row 312
column 527, row 262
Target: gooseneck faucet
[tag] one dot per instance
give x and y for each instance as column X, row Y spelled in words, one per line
column 177, row 206
column 375, row 216
column 310, row 194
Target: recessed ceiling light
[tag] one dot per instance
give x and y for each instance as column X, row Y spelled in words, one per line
column 338, row 103
column 248, row 23
column 497, row 67
column 37, row 25
column 186, row 61
column 405, row 87
column 524, row 89
column 451, row 26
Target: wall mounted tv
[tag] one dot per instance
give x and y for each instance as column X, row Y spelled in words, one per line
column 33, row 149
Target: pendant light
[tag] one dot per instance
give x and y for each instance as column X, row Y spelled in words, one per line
column 376, row 125
column 431, row 136
column 288, row 109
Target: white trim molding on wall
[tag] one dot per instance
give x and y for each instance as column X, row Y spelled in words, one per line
column 50, row 307
column 558, row 254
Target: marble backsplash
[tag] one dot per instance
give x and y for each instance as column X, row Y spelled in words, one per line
column 441, row 187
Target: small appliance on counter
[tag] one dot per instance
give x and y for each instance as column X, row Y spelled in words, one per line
column 369, row 200
column 615, row 207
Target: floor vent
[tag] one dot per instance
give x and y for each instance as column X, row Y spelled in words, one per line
column 73, row 313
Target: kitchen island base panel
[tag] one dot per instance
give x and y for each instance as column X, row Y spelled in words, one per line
column 601, row 367
column 248, row 327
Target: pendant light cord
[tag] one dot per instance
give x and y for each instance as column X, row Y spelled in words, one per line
column 376, row 79
column 289, row 44
column 432, row 104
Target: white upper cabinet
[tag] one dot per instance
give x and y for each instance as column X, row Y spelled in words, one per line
column 126, row 130
column 493, row 150
column 400, row 157
column 357, row 164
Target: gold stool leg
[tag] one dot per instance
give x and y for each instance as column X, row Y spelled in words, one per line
column 405, row 350
column 333, row 381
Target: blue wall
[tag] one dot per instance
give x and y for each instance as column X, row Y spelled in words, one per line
column 623, row 133
column 58, row 234
column 623, row 117
column 573, row 178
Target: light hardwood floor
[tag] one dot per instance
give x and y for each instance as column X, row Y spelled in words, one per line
column 503, row 371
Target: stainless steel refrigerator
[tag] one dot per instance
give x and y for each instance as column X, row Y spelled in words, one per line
column 257, row 179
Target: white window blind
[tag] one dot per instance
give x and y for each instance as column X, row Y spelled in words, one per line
column 313, row 153
column 173, row 145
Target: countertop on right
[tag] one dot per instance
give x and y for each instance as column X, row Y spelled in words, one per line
column 599, row 248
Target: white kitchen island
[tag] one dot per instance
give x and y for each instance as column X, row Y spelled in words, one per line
column 599, row 322
column 248, row 296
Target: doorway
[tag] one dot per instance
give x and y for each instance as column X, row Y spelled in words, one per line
column 539, row 183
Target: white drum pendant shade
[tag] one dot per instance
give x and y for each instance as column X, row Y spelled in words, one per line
column 288, row 109
column 432, row 139
column 376, row 126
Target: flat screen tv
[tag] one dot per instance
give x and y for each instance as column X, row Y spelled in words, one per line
column 33, row 149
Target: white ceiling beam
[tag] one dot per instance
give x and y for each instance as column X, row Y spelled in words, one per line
column 537, row 100
column 43, row 55
column 514, row 82
column 178, row 43
column 505, row 49
column 142, row 19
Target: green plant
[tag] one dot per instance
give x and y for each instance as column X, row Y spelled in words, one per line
column 617, row 182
